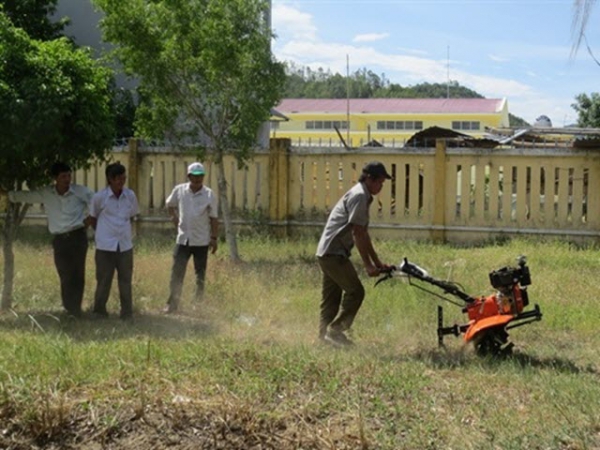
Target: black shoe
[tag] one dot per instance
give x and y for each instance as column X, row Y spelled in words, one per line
column 337, row 339
column 99, row 314
column 74, row 313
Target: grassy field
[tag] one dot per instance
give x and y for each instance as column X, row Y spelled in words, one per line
column 244, row 370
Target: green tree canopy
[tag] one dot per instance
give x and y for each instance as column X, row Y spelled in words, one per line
column 205, row 67
column 588, row 110
column 55, row 104
column 207, row 74
column 303, row 82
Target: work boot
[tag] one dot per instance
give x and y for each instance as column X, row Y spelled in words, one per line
column 337, row 338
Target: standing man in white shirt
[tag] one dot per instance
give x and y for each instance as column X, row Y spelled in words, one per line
column 66, row 206
column 111, row 212
column 193, row 208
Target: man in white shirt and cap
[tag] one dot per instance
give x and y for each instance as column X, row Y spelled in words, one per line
column 194, row 211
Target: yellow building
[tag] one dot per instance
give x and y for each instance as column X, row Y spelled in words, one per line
column 389, row 121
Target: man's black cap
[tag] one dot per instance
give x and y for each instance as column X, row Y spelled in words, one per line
column 375, row 169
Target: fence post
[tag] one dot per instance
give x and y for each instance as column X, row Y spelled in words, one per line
column 279, row 174
column 132, row 164
column 438, row 233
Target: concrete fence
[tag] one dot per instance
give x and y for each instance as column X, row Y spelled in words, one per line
column 445, row 194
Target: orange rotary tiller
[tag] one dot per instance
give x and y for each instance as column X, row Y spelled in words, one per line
column 489, row 317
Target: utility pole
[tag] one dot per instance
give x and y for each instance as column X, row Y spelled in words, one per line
column 348, row 100
column 448, row 73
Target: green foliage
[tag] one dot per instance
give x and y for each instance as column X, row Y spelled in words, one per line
column 124, row 106
column 303, row 82
column 33, row 16
column 588, row 110
column 517, row 122
column 54, row 104
column 205, row 67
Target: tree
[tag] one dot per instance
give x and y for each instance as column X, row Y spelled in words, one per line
column 206, row 71
column 34, row 17
column 55, row 104
column 517, row 122
column 124, row 106
column 588, row 110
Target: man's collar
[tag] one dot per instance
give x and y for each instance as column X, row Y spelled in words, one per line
column 68, row 191
column 366, row 189
column 189, row 186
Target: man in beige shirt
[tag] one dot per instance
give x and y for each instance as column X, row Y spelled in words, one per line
column 66, row 206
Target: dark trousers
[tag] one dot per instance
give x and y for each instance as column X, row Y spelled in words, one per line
column 70, row 251
column 342, row 294
column 106, row 265
column 181, row 256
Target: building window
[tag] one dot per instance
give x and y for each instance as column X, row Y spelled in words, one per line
column 400, row 125
column 465, row 125
column 326, row 124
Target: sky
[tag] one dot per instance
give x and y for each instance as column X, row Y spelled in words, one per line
column 520, row 50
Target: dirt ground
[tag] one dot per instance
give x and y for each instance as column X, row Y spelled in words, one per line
column 175, row 429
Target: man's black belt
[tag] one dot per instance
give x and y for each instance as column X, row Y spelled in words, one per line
column 69, row 233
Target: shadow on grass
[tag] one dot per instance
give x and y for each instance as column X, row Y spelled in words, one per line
column 443, row 358
column 90, row 328
column 557, row 364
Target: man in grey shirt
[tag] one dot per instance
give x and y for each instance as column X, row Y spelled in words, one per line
column 66, row 206
column 347, row 225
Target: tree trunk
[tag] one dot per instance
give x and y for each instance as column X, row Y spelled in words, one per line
column 8, row 272
column 14, row 216
column 230, row 235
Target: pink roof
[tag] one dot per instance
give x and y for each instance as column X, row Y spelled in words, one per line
column 391, row 105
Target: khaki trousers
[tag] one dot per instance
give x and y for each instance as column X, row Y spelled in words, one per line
column 342, row 294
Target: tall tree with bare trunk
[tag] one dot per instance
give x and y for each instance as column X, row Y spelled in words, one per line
column 207, row 75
